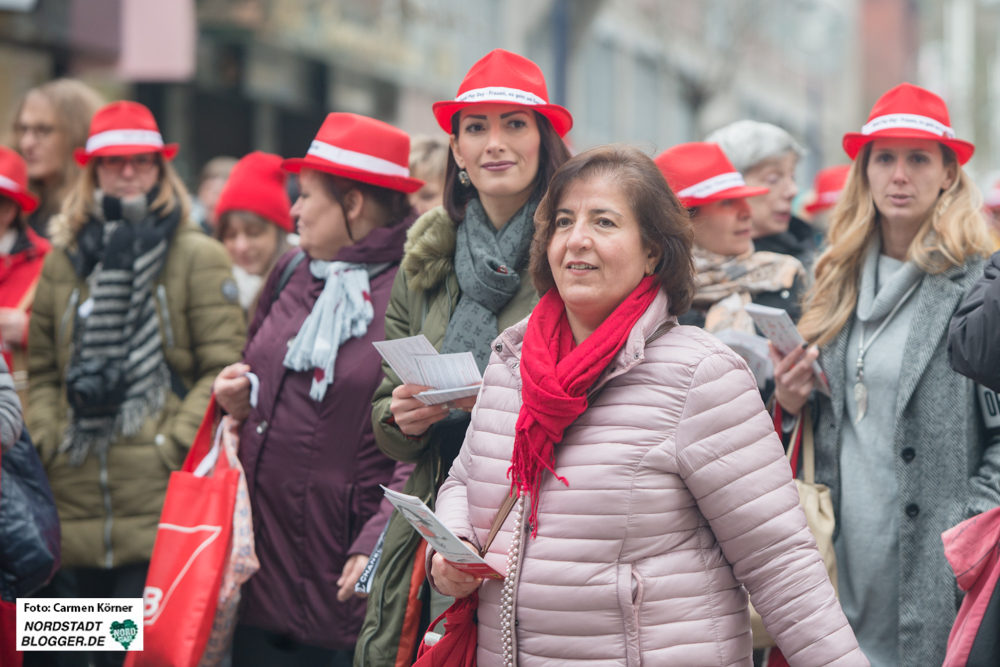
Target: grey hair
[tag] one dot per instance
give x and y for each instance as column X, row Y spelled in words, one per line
column 747, row 143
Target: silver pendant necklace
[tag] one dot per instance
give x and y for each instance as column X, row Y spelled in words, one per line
column 860, row 389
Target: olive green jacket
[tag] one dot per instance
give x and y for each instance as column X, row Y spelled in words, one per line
column 109, row 506
column 424, row 296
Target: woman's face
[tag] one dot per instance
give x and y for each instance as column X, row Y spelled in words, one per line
column 723, row 227
column 40, row 139
column 772, row 212
column 906, row 177
column 322, row 226
column 128, row 175
column 596, row 253
column 427, row 197
column 251, row 242
column 498, row 145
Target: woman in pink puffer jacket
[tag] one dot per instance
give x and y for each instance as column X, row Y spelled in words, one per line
column 671, row 497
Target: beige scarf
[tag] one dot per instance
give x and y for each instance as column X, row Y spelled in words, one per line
column 726, row 284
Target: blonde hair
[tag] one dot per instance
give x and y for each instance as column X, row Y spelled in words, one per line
column 428, row 158
column 74, row 104
column 77, row 207
column 953, row 231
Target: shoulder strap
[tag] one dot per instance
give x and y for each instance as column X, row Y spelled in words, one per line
column 808, row 448
column 286, row 275
column 498, row 520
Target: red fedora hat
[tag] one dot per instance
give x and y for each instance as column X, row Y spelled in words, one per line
column 828, row 184
column 909, row 112
column 502, row 77
column 14, row 180
column 124, row 128
column 257, row 184
column 699, row 173
column 362, row 149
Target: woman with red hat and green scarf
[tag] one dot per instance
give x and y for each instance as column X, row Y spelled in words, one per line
column 903, row 442
column 464, row 279
column 134, row 316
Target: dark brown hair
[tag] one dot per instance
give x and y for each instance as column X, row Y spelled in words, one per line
column 552, row 154
column 392, row 205
column 663, row 222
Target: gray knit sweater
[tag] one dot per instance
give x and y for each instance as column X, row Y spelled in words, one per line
column 11, row 419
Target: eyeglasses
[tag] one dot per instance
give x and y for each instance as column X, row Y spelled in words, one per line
column 40, row 130
column 141, row 163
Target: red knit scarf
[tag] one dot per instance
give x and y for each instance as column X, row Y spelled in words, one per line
column 555, row 377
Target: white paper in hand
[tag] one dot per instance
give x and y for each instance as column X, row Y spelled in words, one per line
column 754, row 351
column 415, row 361
column 441, row 539
column 780, row 330
column 402, row 354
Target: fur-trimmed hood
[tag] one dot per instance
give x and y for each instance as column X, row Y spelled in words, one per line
column 429, row 250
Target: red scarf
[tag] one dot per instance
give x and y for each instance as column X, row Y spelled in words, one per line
column 555, row 377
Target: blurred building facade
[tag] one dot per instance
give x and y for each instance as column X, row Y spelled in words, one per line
column 238, row 75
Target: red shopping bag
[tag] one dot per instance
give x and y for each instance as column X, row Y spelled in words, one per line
column 189, row 555
column 457, row 648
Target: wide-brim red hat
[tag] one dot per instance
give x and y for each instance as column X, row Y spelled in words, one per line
column 502, row 77
column 700, row 173
column 14, row 180
column 909, row 112
column 361, row 149
column 828, row 185
column 123, row 128
column 257, row 184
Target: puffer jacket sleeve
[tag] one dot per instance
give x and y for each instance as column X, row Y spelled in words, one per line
column 732, row 462
column 217, row 330
column 974, row 338
column 44, row 374
column 388, row 437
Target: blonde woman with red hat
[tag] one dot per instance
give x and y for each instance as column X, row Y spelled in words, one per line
column 902, row 441
column 22, row 252
column 134, row 316
column 464, row 280
column 254, row 221
column 730, row 274
column 314, row 472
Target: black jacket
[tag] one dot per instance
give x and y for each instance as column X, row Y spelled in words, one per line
column 799, row 242
column 974, row 338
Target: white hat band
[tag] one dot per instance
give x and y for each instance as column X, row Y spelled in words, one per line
column 713, row 185
column 355, row 160
column 8, row 184
column 498, row 94
column 907, row 121
column 124, row 138
column 828, row 197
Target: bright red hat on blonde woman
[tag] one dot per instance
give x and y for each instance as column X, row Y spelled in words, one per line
column 700, row 173
column 124, row 128
column 257, row 184
column 502, row 77
column 361, row 149
column 909, row 112
column 14, row 180
column 828, row 184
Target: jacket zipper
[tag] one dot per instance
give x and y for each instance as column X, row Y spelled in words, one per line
column 161, row 293
column 109, row 557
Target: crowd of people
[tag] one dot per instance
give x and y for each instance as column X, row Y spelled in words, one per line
column 635, row 485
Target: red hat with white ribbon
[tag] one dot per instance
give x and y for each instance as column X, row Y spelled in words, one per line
column 700, row 173
column 124, row 128
column 828, row 184
column 502, row 77
column 909, row 112
column 361, row 149
column 257, row 184
column 14, row 180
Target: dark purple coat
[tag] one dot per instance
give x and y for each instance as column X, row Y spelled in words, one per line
column 313, row 469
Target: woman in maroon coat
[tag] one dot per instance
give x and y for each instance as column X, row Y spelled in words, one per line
column 313, row 469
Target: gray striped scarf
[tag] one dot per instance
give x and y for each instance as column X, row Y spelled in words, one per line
column 122, row 250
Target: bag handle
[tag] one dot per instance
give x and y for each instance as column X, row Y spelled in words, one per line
column 498, row 520
column 803, row 444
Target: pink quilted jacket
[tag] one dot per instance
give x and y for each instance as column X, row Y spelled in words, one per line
column 679, row 502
